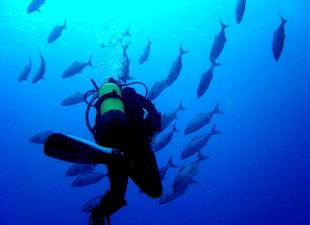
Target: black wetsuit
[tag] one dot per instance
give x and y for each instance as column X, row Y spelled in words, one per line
column 140, row 163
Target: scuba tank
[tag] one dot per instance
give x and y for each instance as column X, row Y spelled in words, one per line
column 110, row 116
column 110, row 122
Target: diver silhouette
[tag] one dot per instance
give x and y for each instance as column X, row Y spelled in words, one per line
column 124, row 126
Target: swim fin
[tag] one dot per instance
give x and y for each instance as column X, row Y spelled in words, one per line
column 73, row 149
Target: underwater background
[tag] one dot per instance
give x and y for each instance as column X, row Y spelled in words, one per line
column 258, row 172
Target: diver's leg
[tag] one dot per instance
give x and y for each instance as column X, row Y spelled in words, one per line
column 113, row 199
column 144, row 172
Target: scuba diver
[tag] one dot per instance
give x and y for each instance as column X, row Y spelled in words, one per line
column 124, row 126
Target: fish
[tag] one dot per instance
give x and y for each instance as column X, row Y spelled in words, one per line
column 279, row 39
column 41, row 71
column 167, row 118
column 77, row 97
column 87, row 179
column 35, row 6
column 240, row 9
column 197, row 143
column 125, row 63
column 205, row 80
column 41, row 137
column 164, row 140
column 25, row 72
column 56, row 32
column 163, row 170
column 146, row 53
column 176, row 67
column 157, row 88
column 171, row 195
column 91, row 204
column 76, row 67
column 218, row 43
column 186, row 173
column 201, row 120
column 78, row 169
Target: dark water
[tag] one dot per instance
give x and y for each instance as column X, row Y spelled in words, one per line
column 258, row 171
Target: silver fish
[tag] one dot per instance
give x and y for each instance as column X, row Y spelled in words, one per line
column 91, row 204
column 176, row 67
column 41, row 71
column 163, row 170
column 56, row 32
column 240, row 9
column 35, row 6
column 205, row 80
column 146, row 53
column 278, row 40
column 87, row 179
column 197, row 143
column 41, row 137
column 218, row 44
column 201, row 120
column 157, row 88
column 172, row 195
column 76, row 67
column 164, row 140
column 26, row 71
column 73, row 99
column 186, row 173
column 167, row 118
column 78, row 169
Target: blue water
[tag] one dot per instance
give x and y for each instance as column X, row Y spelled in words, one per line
column 259, row 167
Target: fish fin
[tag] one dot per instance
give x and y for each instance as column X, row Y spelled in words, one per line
column 283, row 19
column 217, row 109
column 214, row 131
column 89, row 63
column 38, row 10
column 202, row 157
column 175, row 129
column 182, row 51
column 224, row 26
column 193, row 182
column 150, row 42
column 181, row 107
column 171, row 164
column 131, row 78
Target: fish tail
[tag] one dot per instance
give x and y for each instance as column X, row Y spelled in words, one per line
column 214, row 131
column 182, row 51
column 171, row 164
column 224, row 26
column 89, row 63
column 127, row 33
column 214, row 64
column 217, row 109
column 201, row 157
column 65, row 24
column 283, row 19
column 181, row 107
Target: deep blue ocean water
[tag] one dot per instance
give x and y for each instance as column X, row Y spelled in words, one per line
column 259, row 167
